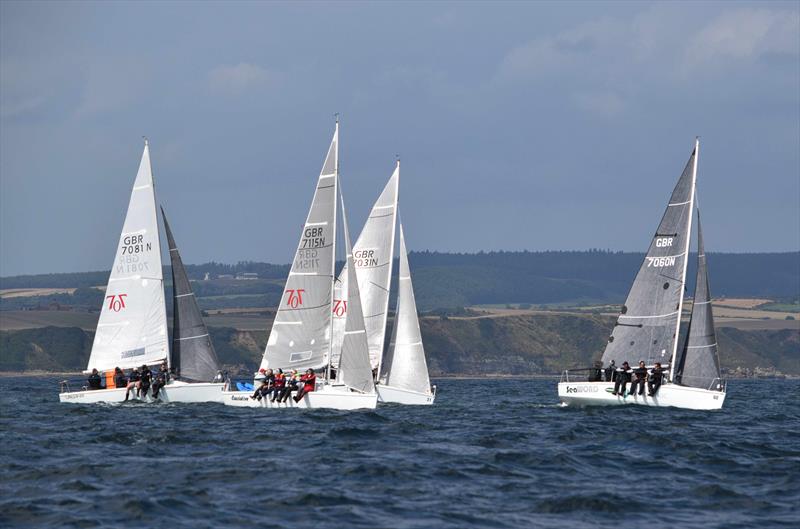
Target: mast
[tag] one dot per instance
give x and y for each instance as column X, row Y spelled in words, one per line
column 158, row 243
column 333, row 261
column 685, row 261
column 391, row 262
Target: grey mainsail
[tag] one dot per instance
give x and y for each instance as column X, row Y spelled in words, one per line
column 354, row 369
column 193, row 356
column 301, row 333
column 373, row 255
column 699, row 361
column 405, row 363
column 647, row 326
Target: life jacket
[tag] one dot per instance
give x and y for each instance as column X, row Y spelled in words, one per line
column 309, row 382
column 280, row 381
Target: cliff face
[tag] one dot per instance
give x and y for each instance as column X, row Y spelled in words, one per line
column 521, row 345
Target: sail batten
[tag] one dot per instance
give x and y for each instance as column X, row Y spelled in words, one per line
column 300, row 337
column 647, row 326
column 132, row 329
column 193, row 356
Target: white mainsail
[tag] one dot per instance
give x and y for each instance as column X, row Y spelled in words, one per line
column 301, row 333
column 373, row 256
column 406, row 367
column 132, row 329
column 354, row 368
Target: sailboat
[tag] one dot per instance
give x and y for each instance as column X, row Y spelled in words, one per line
column 301, row 335
column 405, row 380
column 648, row 325
column 132, row 329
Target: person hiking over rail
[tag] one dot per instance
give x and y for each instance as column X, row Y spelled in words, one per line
column 309, row 380
column 623, row 377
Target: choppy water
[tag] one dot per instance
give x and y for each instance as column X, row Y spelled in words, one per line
column 489, row 453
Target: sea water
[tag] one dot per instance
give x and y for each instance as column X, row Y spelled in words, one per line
column 489, row 453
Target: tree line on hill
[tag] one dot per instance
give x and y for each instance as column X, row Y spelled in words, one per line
column 457, row 280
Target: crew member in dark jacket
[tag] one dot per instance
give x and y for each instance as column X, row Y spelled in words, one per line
column 95, row 380
column 309, row 380
column 639, row 378
column 119, row 378
column 144, row 383
column 623, row 376
column 611, row 372
column 162, row 376
column 133, row 382
column 265, row 388
column 654, row 382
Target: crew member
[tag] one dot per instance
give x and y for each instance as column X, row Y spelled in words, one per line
column 266, row 386
column 309, row 380
column 611, row 372
column 278, row 384
column 161, row 379
column 145, row 382
column 623, row 376
column 133, row 382
column 119, row 378
column 291, row 385
column 94, row 380
column 639, row 378
column 654, row 381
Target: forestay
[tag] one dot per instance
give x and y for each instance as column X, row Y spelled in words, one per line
column 132, row 329
column 406, row 367
column 300, row 335
column 699, row 362
column 647, row 326
column 193, row 356
column 354, row 369
column 373, row 255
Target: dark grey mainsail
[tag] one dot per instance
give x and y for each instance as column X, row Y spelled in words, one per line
column 647, row 326
column 193, row 355
column 699, row 361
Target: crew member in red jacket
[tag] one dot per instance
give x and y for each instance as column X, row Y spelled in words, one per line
column 309, row 380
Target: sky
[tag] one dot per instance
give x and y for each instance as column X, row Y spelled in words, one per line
column 538, row 126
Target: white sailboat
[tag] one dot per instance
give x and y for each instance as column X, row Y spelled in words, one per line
column 301, row 335
column 648, row 326
column 132, row 329
column 405, row 379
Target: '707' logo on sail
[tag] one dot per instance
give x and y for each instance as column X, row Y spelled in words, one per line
column 294, row 297
column 116, row 302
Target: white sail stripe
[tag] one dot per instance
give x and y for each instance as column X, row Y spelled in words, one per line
column 410, row 344
column 306, row 274
column 134, row 232
column 114, row 324
column 137, row 188
column 644, row 317
column 184, row 295
column 405, row 278
column 287, row 323
column 317, row 223
column 679, row 203
column 327, row 175
column 701, row 346
column 193, row 337
column 390, row 206
column 356, row 332
column 702, row 303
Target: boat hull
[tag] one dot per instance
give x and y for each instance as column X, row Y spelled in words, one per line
column 330, row 398
column 176, row 391
column 669, row 395
column 389, row 394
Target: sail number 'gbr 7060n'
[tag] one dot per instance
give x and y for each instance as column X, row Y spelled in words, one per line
column 660, row 262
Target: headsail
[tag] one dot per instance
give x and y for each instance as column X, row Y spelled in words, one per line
column 373, row 255
column 354, row 369
column 647, row 326
column 300, row 335
column 132, row 329
column 699, row 361
column 193, row 356
column 406, row 367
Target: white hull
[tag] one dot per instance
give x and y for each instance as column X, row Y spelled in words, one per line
column 404, row 396
column 176, row 391
column 337, row 398
column 599, row 394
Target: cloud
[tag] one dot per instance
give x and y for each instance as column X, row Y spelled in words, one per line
column 747, row 34
column 602, row 103
column 240, row 78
